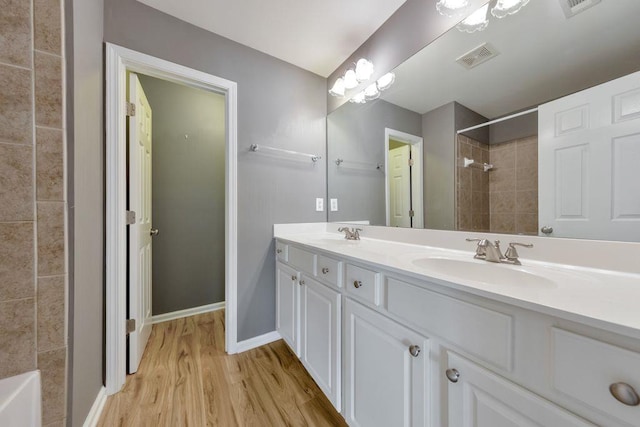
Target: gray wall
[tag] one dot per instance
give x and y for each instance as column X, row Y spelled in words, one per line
column 466, row 118
column 84, row 25
column 188, row 188
column 355, row 132
column 516, row 128
column 438, row 130
column 278, row 105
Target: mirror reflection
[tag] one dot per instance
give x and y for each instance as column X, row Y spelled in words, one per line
column 528, row 124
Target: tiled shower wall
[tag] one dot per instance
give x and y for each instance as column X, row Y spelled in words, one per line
column 33, row 275
column 505, row 199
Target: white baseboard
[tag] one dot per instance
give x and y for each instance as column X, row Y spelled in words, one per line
column 96, row 409
column 165, row 317
column 254, row 342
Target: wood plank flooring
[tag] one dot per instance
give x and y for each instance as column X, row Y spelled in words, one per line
column 186, row 379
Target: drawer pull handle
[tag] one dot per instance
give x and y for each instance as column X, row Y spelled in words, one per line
column 325, row 270
column 279, row 251
column 357, row 284
column 624, row 393
column 301, row 282
column 414, row 350
column 453, row 375
column 294, row 278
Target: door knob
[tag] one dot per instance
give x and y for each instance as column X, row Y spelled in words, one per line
column 154, row 232
column 624, row 393
column 546, row 229
column 414, row 350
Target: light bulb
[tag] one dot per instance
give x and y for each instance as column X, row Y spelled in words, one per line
column 364, row 70
column 504, row 8
column 452, row 8
column 477, row 21
column 350, row 80
column 371, row 92
column 358, row 98
column 338, row 88
column 386, row 81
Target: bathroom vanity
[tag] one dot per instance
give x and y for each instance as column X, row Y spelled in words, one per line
column 405, row 327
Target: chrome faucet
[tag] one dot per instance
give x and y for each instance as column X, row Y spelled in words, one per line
column 491, row 252
column 353, row 234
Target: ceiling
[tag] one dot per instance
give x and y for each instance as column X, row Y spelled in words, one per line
column 542, row 56
column 315, row 35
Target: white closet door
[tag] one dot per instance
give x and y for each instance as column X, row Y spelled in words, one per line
column 589, row 162
column 399, row 187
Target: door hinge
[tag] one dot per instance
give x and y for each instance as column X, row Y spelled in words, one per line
column 410, row 162
column 411, row 213
column 131, row 109
column 131, row 217
column 131, row 325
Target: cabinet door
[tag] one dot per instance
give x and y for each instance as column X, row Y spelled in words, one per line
column 480, row 398
column 385, row 376
column 287, row 306
column 320, row 336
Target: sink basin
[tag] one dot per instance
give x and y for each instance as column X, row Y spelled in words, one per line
column 485, row 272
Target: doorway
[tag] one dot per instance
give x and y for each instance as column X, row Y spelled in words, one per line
column 404, row 175
column 119, row 62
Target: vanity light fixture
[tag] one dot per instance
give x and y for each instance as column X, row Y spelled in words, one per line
column 452, row 8
column 386, row 81
column 358, row 98
column 362, row 71
column 371, row 92
column 504, row 8
column 338, row 88
column 477, row 21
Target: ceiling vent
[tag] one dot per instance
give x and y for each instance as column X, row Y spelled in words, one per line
column 477, row 56
column 572, row 7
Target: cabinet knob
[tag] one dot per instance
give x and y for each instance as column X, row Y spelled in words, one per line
column 414, row 350
column 278, row 251
column 357, row 284
column 453, row 375
column 325, row 270
column 301, row 282
column 624, row 393
column 294, row 277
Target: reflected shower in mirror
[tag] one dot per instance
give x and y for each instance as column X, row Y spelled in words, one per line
column 520, row 175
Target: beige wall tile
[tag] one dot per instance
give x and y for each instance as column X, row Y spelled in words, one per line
column 59, row 423
column 527, row 178
column 52, row 365
column 16, row 182
column 15, row 32
column 503, row 202
column 464, row 149
column 527, row 202
column 17, row 340
column 503, row 157
column 47, row 34
column 502, row 179
column 503, row 223
column 527, row 153
column 50, row 326
column 527, row 224
column 15, row 105
column 464, row 178
column 49, row 164
column 50, row 238
column 479, row 203
column 48, row 78
column 16, row 261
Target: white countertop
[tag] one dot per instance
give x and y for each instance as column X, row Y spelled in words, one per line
column 602, row 298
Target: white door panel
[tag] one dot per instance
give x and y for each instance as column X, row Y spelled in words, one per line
column 399, row 186
column 140, row 252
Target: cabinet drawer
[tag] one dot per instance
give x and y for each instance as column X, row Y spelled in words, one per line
column 485, row 333
column 303, row 260
column 363, row 284
column 282, row 251
column 330, row 270
column 587, row 379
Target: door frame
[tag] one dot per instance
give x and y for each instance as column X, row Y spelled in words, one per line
column 417, row 142
column 119, row 61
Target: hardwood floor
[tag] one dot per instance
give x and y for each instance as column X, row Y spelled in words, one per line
column 186, row 379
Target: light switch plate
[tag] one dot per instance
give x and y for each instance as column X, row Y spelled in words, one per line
column 319, row 204
column 334, row 205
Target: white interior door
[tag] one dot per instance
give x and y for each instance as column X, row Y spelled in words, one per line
column 140, row 231
column 399, row 187
column 589, row 152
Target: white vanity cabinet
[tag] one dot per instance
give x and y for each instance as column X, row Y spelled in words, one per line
column 288, row 306
column 479, row 398
column 385, row 371
column 320, row 336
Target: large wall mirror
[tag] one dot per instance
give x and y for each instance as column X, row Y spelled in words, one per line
column 530, row 125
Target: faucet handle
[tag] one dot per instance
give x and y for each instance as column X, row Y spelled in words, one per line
column 512, row 254
column 481, row 250
column 524, row 245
